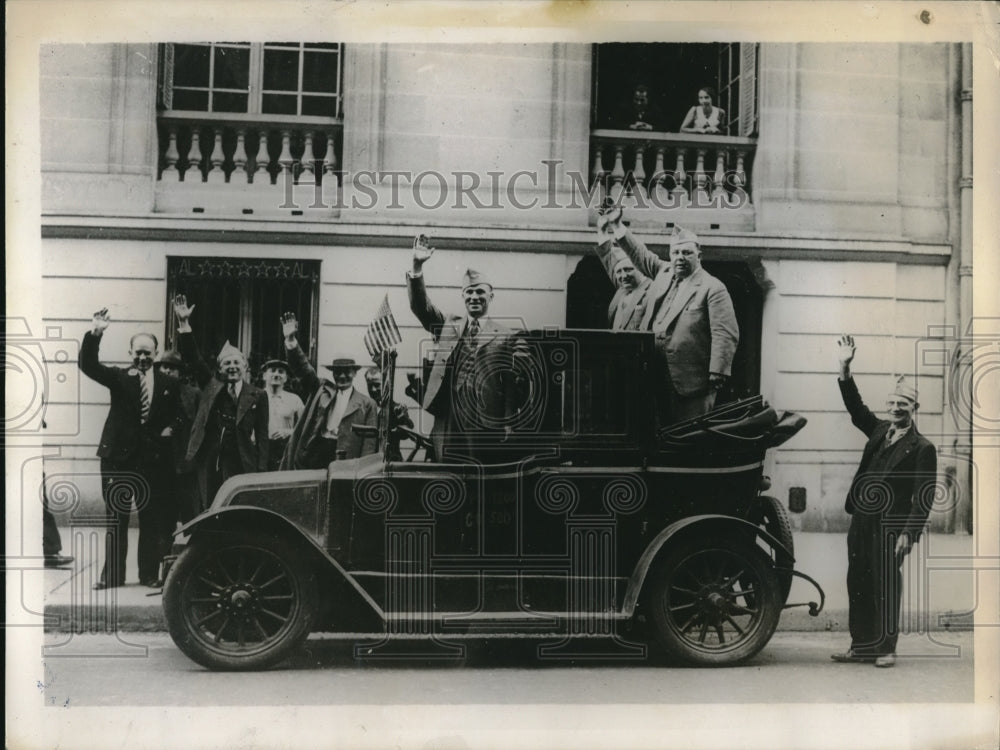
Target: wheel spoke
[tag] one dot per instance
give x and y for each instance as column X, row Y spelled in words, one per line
column 739, row 609
column 275, row 615
column 240, row 640
column 682, row 590
column 721, row 633
column 218, row 633
column 689, row 623
column 703, row 632
column 676, row 607
column 209, row 616
column 736, row 627
column 204, row 599
column 274, row 580
column 256, row 572
column 260, row 628
column 211, row 584
column 733, row 579
column 277, row 598
column 240, row 569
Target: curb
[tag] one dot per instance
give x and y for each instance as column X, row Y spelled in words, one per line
column 67, row 618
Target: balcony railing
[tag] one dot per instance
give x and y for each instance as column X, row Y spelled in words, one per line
column 673, row 170
column 257, row 154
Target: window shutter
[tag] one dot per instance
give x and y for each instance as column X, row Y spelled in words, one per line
column 166, row 76
column 748, row 89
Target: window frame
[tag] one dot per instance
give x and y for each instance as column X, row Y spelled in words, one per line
column 255, row 90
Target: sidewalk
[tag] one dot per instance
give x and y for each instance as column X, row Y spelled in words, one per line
column 938, row 586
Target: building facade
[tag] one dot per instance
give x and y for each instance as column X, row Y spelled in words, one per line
column 257, row 178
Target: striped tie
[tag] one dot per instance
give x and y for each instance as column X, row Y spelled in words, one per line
column 143, row 399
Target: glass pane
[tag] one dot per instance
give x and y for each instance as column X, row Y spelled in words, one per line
column 278, row 104
column 319, row 106
column 226, row 102
column 319, row 72
column 232, row 68
column 334, row 46
column 190, row 65
column 194, row 101
column 281, row 70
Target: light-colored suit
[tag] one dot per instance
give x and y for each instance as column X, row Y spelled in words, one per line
column 626, row 310
column 495, row 401
column 696, row 334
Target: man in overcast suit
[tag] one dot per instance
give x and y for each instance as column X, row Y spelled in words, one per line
column 691, row 314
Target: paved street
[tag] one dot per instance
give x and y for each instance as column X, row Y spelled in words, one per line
column 793, row 668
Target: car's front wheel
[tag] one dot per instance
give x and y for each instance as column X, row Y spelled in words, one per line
column 240, row 601
column 713, row 602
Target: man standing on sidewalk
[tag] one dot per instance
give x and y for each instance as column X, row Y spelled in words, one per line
column 133, row 467
column 889, row 500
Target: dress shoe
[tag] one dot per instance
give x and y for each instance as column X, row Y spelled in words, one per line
column 851, row 656
column 58, row 561
column 100, row 586
column 885, row 661
column 152, row 584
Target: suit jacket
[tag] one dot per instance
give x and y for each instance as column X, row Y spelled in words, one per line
column 700, row 324
column 251, row 414
column 498, row 393
column 635, row 301
column 904, row 488
column 360, row 410
column 124, row 438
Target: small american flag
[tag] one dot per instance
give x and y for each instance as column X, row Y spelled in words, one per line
column 383, row 333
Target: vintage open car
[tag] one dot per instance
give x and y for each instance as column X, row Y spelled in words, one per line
column 592, row 517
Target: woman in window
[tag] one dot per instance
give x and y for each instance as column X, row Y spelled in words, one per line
column 705, row 117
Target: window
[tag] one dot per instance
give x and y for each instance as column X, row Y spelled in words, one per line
column 273, row 78
column 241, row 300
column 672, row 75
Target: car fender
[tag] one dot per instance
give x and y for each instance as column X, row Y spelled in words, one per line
column 638, row 576
column 234, row 517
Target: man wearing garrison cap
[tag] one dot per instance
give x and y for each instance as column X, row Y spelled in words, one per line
column 629, row 303
column 472, row 390
column 889, row 500
column 688, row 309
column 229, row 434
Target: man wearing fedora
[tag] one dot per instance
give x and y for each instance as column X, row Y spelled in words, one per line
column 229, row 433
column 284, row 409
column 628, row 306
column 472, row 390
column 889, row 500
column 324, row 432
column 690, row 312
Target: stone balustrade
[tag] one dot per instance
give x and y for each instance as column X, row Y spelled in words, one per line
column 672, row 170
column 258, row 150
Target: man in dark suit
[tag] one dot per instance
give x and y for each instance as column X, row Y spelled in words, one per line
column 889, row 501
column 628, row 306
column 324, row 433
column 229, row 433
column 133, row 465
column 473, row 389
column 186, row 490
column 690, row 312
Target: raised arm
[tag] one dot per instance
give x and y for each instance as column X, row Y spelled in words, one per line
column 186, row 344
column 430, row 317
column 861, row 415
column 648, row 263
column 297, row 360
column 89, row 363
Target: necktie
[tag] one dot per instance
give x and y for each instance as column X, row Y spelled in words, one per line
column 473, row 328
column 232, row 391
column 143, row 399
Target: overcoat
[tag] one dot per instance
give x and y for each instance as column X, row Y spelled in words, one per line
column 360, row 410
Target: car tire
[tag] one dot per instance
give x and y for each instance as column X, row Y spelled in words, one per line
column 771, row 516
column 713, row 602
column 240, row 601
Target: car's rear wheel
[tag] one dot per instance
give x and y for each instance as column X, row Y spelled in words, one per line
column 713, row 602
column 239, row 602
